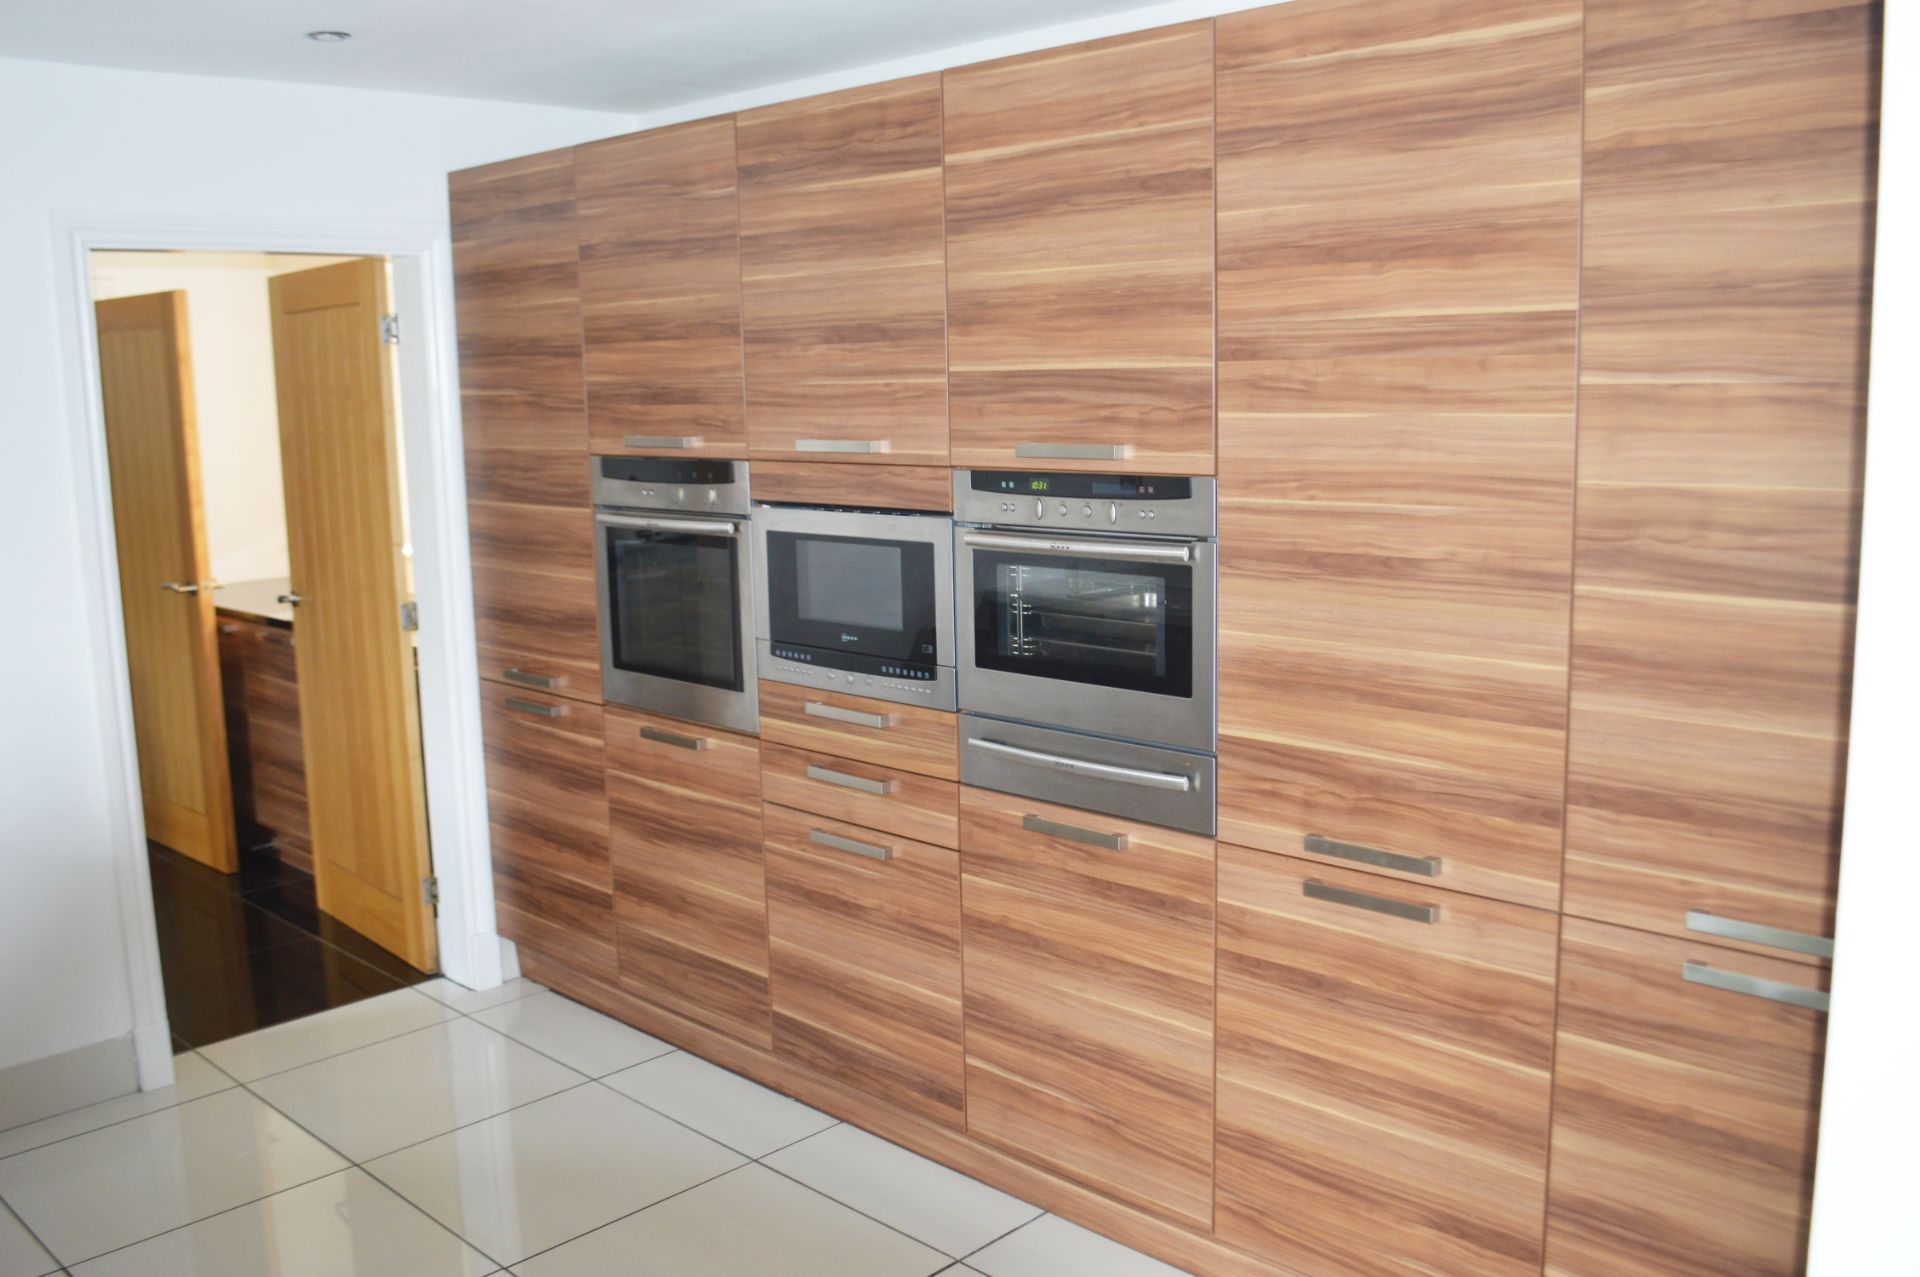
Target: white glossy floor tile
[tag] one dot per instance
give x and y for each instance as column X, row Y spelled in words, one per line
column 524, row 1181
column 1051, row 1247
column 739, row 1113
column 413, row 1087
column 467, row 1001
column 193, row 1077
column 103, row 1190
column 746, row 1224
column 579, row 1037
column 345, row 1225
column 943, row 1208
column 20, row 1255
column 286, row 1046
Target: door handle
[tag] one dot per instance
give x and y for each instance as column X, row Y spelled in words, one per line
column 846, row 780
column 674, row 739
column 1754, row 987
column 534, row 707
column 1710, row 924
column 1084, row 767
column 1176, row 553
column 840, row 445
column 641, row 523
column 186, row 587
column 1314, row 889
column 859, row 718
column 871, row 850
column 531, row 680
column 1425, row 866
column 1060, row 829
column 290, row 599
column 1075, row 451
column 662, row 441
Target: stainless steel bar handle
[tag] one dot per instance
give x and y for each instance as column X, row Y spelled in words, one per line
column 662, row 441
column 1146, row 551
column 1075, row 451
column 846, row 780
column 535, row 707
column 858, row 717
column 1060, row 829
column 1314, row 889
column 1710, row 924
column 872, row 851
column 1086, row 767
column 527, row 679
column 674, row 739
column 1755, row 987
column 1425, row 866
column 647, row 523
column 840, row 445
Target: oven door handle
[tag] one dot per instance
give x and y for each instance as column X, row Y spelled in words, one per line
column 647, row 523
column 1154, row 553
column 1086, row 767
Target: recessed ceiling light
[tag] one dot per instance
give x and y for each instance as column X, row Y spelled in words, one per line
column 329, row 37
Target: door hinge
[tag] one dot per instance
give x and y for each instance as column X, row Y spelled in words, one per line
column 430, row 890
column 410, row 615
column 390, row 329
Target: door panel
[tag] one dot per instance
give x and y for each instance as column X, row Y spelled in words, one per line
column 359, row 706
column 173, row 652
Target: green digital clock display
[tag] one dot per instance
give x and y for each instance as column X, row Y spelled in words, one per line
column 1039, row 485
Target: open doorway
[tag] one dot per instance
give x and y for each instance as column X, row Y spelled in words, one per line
column 259, row 509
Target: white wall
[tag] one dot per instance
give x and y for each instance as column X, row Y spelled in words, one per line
column 107, row 144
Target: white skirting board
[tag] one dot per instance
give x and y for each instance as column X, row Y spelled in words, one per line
column 70, row 1080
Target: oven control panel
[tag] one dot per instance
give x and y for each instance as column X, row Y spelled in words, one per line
column 1161, row 505
column 933, row 688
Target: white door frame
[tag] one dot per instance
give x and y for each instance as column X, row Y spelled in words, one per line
column 470, row 949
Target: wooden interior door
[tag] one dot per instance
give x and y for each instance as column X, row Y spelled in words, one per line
column 359, row 714
column 166, row 596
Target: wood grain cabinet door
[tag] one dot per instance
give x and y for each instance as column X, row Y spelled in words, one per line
column 547, row 819
column 1399, row 235
column 865, row 933
column 1685, row 1111
column 1080, row 256
column 690, row 870
column 1728, row 254
column 659, row 224
column 1089, row 998
column 1384, row 1055
column 906, row 736
column 843, row 272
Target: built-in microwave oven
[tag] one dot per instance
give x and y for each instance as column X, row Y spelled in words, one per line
column 856, row 601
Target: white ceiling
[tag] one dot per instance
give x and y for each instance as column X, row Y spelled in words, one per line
column 630, row 56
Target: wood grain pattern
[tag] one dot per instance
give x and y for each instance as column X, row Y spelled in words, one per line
column 1684, row 1117
column 547, row 818
column 843, row 483
column 659, row 226
column 1089, row 1002
column 866, row 962
column 261, row 692
column 1399, row 217
column 1730, row 158
column 914, row 806
column 843, row 273
column 1383, row 1083
column 914, row 739
column 1080, row 252
column 690, row 888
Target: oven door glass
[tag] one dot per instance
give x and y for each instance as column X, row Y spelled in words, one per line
column 674, row 602
column 861, row 595
column 1104, row 622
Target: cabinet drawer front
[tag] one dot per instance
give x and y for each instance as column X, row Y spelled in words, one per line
column 1383, row 1072
column 698, row 760
column 1089, row 1011
column 903, row 736
column 1684, row 1114
column 866, row 959
column 862, row 793
column 535, row 604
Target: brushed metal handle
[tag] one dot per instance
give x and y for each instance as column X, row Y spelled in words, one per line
column 674, row 739
column 840, row 445
column 1314, row 889
column 848, row 781
column 534, row 707
column 1083, row 767
column 648, row 523
column 290, row 599
column 1710, row 924
column 529, row 679
column 872, row 851
column 183, row 587
column 858, row 717
column 1755, row 987
column 1425, row 866
column 1075, row 451
column 1146, row 551
column 1060, row 829
column 662, row 441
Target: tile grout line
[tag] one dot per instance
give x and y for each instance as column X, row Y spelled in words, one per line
column 27, row 1228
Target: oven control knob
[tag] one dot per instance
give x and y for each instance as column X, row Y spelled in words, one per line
column 1039, row 507
column 1113, row 512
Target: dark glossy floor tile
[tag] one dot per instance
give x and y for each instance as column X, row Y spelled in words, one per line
column 221, row 1000
column 267, row 872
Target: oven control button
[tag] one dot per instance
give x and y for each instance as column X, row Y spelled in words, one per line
column 1063, row 507
column 1151, row 513
column 1087, row 510
column 1039, row 507
column 680, row 494
column 713, row 496
column 1113, row 512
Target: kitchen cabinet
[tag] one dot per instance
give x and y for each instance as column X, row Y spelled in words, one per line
column 903, row 736
column 865, row 936
column 261, row 693
column 1088, row 951
column 547, row 821
column 1685, row 1108
column 881, row 797
column 1728, row 252
column 843, row 276
column 1399, row 234
column 1080, row 256
column 523, row 409
column 659, row 244
column 1384, row 1057
column 689, row 870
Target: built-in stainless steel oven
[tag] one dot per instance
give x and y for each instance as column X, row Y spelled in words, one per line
column 856, row 601
column 675, row 565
